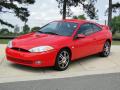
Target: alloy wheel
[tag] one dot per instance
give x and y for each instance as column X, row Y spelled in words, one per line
column 63, row 60
column 107, row 49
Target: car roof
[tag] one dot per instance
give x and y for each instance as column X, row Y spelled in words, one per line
column 77, row 21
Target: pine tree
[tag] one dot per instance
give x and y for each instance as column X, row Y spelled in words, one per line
column 10, row 6
column 88, row 6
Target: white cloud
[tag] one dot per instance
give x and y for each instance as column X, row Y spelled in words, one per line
column 77, row 10
column 33, row 13
column 106, row 6
column 114, row 1
column 52, row 1
column 44, row 5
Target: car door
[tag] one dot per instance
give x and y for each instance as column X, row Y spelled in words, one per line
column 98, row 37
column 84, row 46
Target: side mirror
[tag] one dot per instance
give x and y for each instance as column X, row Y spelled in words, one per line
column 80, row 36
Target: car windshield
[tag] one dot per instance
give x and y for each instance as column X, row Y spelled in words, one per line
column 59, row 28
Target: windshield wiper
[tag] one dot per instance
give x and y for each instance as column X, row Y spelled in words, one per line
column 51, row 33
column 48, row 33
column 40, row 32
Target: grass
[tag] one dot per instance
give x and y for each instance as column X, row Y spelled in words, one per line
column 5, row 41
column 117, row 35
column 116, row 43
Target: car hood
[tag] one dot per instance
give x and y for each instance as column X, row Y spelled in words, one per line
column 31, row 40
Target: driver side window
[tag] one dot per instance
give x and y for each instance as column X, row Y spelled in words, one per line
column 85, row 29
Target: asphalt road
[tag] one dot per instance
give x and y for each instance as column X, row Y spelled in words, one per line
column 93, row 82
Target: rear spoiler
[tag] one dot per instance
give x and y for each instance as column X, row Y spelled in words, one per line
column 105, row 27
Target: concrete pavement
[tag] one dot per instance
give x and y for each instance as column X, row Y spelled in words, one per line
column 88, row 66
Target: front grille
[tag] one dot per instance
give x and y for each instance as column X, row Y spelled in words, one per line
column 20, row 49
column 19, row 60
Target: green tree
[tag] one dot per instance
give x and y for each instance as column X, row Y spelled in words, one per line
column 88, row 7
column 80, row 17
column 112, row 8
column 116, row 7
column 115, row 24
column 4, row 31
column 10, row 6
column 34, row 29
column 26, row 29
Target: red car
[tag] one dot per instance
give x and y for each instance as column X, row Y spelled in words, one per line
column 60, row 42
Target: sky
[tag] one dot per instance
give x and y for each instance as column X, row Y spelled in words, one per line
column 44, row 11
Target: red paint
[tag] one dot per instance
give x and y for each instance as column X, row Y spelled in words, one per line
column 81, row 47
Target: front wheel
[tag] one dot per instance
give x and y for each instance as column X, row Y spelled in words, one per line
column 106, row 49
column 62, row 60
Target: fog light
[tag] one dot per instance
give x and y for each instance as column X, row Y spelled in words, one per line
column 38, row 62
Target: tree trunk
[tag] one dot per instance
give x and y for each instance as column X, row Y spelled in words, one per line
column 110, row 12
column 64, row 9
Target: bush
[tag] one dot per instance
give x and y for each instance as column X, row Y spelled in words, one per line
column 4, row 31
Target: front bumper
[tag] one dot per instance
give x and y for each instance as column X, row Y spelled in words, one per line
column 29, row 59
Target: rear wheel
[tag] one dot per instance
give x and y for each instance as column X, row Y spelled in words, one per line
column 62, row 60
column 106, row 49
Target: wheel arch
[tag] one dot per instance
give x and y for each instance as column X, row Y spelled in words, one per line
column 108, row 41
column 68, row 49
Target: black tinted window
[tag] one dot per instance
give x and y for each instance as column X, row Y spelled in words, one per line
column 85, row 29
column 96, row 28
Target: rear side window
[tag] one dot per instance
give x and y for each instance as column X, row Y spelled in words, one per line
column 85, row 29
column 96, row 28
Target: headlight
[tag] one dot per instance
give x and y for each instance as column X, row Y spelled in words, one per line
column 41, row 49
column 10, row 44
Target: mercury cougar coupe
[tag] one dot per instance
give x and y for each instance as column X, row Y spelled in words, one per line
column 60, row 42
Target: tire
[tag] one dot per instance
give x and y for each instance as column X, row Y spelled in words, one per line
column 106, row 49
column 62, row 60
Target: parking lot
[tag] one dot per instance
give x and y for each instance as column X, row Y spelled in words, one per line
column 88, row 66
